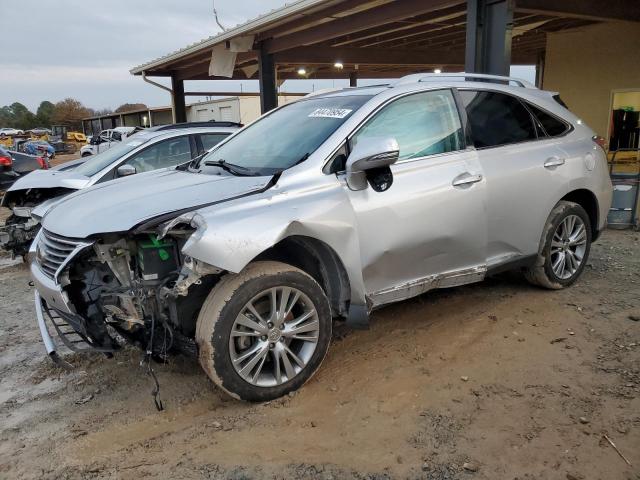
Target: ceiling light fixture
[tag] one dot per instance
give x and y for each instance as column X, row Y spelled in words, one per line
column 437, row 70
column 302, row 71
column 339, row 65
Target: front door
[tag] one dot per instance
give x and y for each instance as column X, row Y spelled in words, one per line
column 429, row 228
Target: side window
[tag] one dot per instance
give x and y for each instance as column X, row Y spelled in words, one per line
column 167, row 153
column 423, row 124
column 497, row 119
column 116, row 136
column 553, row 126
column 210, row 140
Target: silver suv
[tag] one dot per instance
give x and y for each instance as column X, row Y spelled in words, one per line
column 324, row 209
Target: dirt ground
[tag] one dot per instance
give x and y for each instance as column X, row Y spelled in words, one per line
column 497, row 380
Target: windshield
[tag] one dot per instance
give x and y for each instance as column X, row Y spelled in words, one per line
column 285, row 137
column 106, row 158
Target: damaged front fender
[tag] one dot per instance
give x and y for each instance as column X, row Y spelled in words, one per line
column 231, row 235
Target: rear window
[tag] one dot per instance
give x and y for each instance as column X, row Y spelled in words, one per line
column 497, row 119
column 554, row 127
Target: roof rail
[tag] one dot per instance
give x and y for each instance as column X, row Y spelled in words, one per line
column 427, row 77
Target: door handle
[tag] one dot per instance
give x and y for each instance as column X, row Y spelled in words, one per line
column 466, row 179
column 553, row 162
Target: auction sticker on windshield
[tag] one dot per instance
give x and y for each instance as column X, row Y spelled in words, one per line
column 330, row 113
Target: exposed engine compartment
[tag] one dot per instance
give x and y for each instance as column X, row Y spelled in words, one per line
column 141, row 289
column 20, row 228
column 32, row 196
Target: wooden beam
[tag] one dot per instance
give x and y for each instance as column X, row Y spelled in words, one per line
column 306, row 20
column 365, row 56
column 401, row 29
column 628, row 10
column 375, row 17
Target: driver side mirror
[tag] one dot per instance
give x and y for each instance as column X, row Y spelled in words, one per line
column 370, row 153
column 126, row 170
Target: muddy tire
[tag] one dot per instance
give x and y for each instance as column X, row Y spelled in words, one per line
column 564, row 247
column 263, row 332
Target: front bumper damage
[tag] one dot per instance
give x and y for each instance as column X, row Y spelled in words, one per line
column 53, row 309
column 107, row 292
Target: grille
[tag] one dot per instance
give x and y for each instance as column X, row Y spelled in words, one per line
column 53, row 251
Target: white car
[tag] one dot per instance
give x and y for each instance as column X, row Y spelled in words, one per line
column 145, row 152
column 107, row 139
column 10, row 131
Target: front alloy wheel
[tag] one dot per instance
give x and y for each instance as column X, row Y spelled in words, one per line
column 274, row 336
column 263, row 332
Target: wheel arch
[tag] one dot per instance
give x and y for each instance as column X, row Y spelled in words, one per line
column 319, row 260
column 587, row 200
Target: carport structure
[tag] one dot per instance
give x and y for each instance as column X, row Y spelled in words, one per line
column 330, row 39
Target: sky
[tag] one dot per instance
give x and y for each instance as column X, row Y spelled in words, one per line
column 56, row 49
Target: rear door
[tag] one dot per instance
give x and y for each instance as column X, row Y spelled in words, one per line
column 523, row 169
column 428, row 228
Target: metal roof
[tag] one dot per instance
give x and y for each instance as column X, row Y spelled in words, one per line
column 250, row 26
column 378, row 38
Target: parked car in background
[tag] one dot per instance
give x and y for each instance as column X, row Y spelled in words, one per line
column 15, row 165
column 325, row 208
column 107, row 139
column 10, row 131
column 40, row 131
column 143, row 153
column 38, row 147
column 173, row 126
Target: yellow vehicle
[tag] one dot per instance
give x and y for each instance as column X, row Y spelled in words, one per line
column 67, row 135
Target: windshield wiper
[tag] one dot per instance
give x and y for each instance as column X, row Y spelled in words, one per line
column 195, row 161
column 230, row 167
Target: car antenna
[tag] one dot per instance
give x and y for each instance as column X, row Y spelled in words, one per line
column 215, row 15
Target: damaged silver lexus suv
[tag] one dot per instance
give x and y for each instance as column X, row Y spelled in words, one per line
column 324, row 209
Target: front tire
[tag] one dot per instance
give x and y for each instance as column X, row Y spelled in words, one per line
column 263, row 332
column 564, row 247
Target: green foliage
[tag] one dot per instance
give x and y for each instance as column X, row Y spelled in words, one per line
column 44, row 114
column 17, row 115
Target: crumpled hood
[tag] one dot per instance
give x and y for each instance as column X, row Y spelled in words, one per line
column 122, row 204
column 51, row 179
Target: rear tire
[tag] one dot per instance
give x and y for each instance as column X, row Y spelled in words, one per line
column 263, row 332
column 564, row 247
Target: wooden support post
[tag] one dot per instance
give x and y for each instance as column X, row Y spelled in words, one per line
column 177, row 100
column 267, row 80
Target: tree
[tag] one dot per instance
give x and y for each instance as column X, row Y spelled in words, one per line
column 44, row 113
column 129, row 107
column 17, row 115
column 70, row 112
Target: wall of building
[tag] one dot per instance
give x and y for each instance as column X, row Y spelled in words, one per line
column 627, row 99
column 587, row 64
column 226, row 109
column 232, row 109
column 162, row 117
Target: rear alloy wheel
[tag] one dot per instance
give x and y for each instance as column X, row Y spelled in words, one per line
column 262, row 333
column 564, row 248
